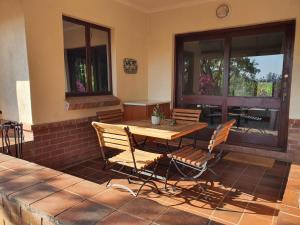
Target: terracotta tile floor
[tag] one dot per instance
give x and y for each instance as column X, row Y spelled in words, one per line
column 247, row 194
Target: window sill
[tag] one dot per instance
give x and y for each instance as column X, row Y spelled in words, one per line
column 87, row 102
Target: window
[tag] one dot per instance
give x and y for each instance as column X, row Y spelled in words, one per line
column 203, row 67
column 87, row 58
column 256, row 64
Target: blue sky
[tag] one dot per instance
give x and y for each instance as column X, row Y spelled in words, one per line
column 269, row 63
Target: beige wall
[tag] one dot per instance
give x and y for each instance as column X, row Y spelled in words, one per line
column 164, row 25
column 14, row 77
column 147, row 37
column 44, row 32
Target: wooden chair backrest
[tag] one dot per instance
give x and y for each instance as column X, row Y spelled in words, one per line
column 221, row 134
column 192, row 115
column 112, row 136
column 110, row 116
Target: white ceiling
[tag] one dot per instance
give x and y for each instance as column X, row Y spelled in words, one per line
column 150, row 6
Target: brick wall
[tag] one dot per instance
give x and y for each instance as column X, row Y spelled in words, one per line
column 59, row 144
column 34, row 195
column 294, row 140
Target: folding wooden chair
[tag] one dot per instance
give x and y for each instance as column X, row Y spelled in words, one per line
column 187, row 115
column 116, row 116
column 118, row 137
column 197, row 159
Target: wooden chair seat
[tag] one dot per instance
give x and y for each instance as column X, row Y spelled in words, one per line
column 191, row 156
column 142, row 158
column 197, row 159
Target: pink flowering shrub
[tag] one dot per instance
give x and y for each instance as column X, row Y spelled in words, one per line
column 206, row 84
column 80, row 87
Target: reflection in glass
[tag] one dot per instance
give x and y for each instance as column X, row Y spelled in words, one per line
column 99, row 60
column 255, row 120
column 75, row 57
column 203, row 67
column 211, row 114
column 256, row 65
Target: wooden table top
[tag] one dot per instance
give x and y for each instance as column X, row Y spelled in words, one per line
column 165, row 130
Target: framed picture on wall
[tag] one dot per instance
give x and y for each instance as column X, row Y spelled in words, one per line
column 130, row 66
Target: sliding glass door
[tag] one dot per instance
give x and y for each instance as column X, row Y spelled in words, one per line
column 239, row 73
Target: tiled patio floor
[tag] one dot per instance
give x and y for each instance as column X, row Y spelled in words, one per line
column 248, row 195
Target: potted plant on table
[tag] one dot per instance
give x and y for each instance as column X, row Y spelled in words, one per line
column 157, row 115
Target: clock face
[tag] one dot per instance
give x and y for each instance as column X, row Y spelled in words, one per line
column 222, row 11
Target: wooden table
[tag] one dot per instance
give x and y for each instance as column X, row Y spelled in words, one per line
column 165, row 130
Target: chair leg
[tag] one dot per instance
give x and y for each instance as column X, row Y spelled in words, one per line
column 195, row 140
column 167, row 146
column 213, row 172
column 179, row 144
column 108, row 184
column 130, row 176
column 123, row 187
column 201, row 171
column 148, row 180
column 144, row 183
column 217, row 159
column 167, row 174
column 145, row 141
column 188, row 177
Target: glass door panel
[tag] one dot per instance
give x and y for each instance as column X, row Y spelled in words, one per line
column 256, row 65
column 255, row 120
column 242, row 73
column 211, row 114
column 203, row 67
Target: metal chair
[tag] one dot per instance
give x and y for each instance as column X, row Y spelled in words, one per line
column 12, row 135
column 119, row 137
column 197, row 159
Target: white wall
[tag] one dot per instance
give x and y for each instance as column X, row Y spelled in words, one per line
column 15, row 100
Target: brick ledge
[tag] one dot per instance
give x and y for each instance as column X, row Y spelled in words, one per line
column 86, row 102
column 29, row 192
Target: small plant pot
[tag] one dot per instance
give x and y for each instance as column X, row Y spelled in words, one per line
column 155, row 120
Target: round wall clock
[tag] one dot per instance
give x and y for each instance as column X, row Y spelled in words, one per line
column 222, row 11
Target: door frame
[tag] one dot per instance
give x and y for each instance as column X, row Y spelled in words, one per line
column 288, row 27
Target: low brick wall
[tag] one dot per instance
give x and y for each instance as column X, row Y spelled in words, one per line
column 36, row 195
column 290, row 206
column 294, row 140
column 61, row 144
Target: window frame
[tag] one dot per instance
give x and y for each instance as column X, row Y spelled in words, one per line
column 225, row 101
column 88, row 26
